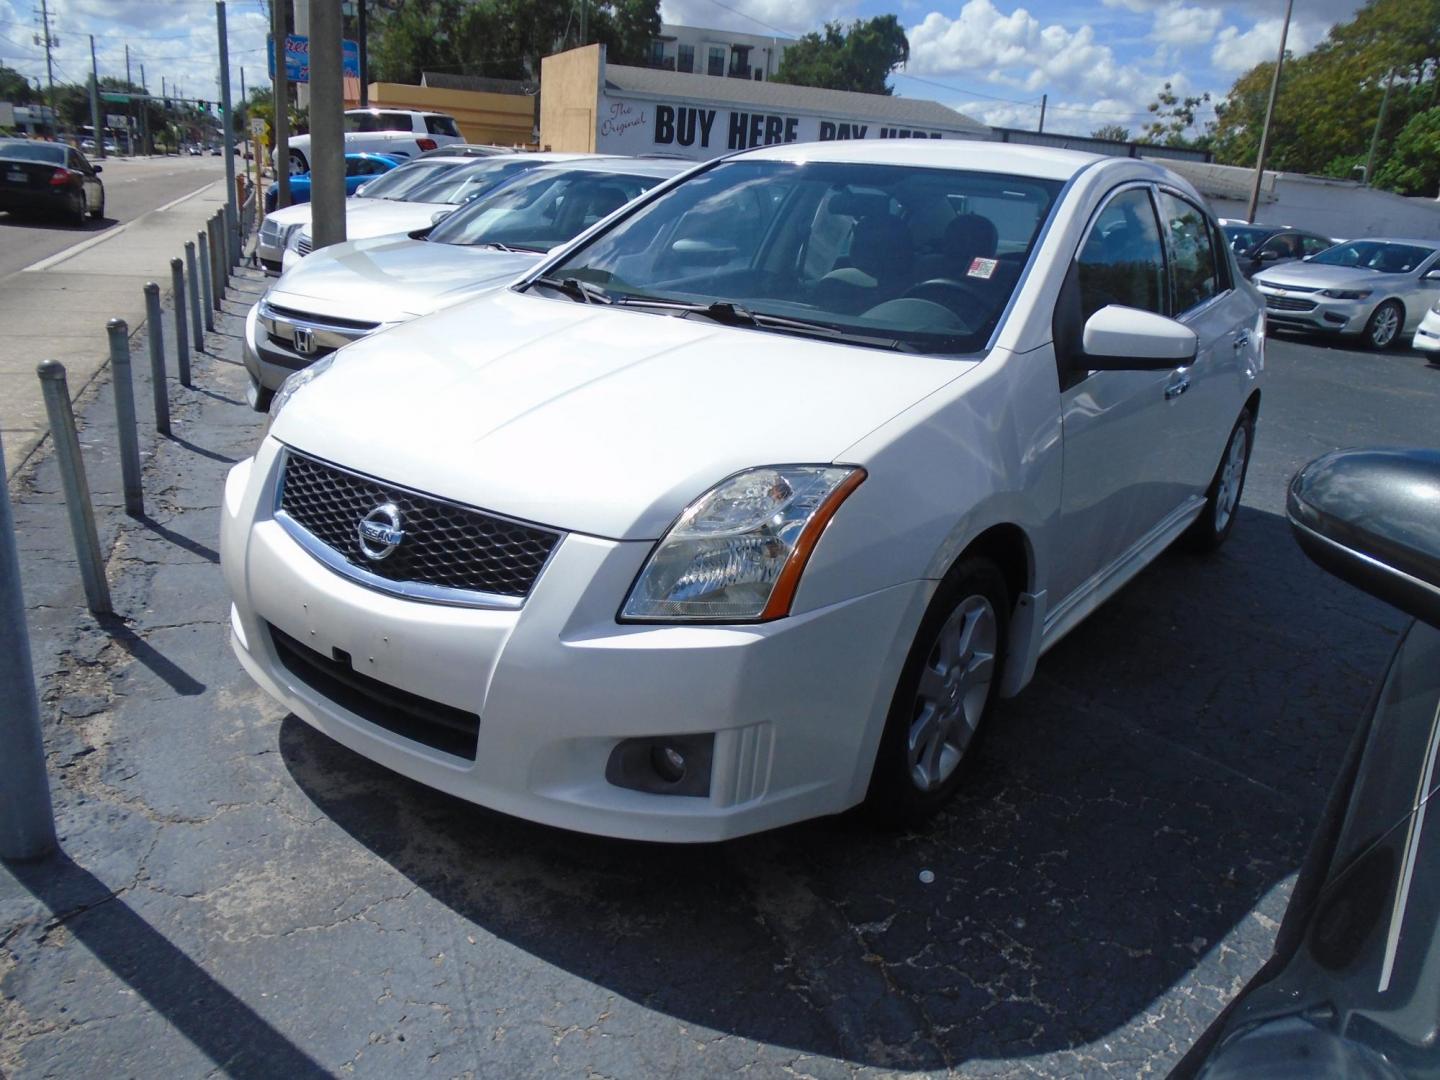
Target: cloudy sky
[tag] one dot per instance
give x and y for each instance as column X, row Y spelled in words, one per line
column 1100, row 61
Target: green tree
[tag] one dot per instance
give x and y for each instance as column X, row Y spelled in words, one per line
column 1330, row 98
column 1174, row 120
column 860, row 57
column 1113, row 132
column 15, row 88
column 1413, row 167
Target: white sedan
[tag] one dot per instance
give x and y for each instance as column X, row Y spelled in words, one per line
column 746, row 506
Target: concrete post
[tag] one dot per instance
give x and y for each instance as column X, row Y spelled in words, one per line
column 280, row 136
column 327, row 116
column 208, row 299
column 27, row 823
column 125, row 416
column 227, row 120
column 217, row 276
column 182, row 339
column 77, row 488
column 156, row 333
column 195, row 329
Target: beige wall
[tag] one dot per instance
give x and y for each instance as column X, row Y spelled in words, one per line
column 569, row 96
column 503, row 119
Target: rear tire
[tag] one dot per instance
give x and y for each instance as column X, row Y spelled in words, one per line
column 77, row 211
column 947, row 691
column 1222, row 500
column 298, row 164
column 1383, row 329
column 99, row 212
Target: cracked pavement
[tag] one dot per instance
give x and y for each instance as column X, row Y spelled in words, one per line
column 239, row 895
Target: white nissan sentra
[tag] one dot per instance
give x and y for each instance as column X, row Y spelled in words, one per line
column 747, row 505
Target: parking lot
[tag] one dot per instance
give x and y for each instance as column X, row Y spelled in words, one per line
column 242, row 895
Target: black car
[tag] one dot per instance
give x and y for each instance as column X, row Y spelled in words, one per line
column 49, row 177
column 1353, row 987
column 1259, row 246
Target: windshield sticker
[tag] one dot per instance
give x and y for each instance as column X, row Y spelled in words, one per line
column 982, row 268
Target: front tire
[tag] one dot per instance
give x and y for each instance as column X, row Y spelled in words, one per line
column 1382, row 331
column 298, row 164
column 1222, row 500
column 947, row 690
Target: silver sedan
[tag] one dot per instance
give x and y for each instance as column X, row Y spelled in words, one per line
column 1377, row 289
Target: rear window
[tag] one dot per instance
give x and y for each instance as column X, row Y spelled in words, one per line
column 378, row 121
column 441, row 125
column 25, row 150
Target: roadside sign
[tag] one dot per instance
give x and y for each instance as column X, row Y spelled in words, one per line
column 115, row 120
column 113, row 98
column 297, row 58
column 257, row 126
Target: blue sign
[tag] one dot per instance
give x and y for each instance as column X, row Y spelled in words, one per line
column 297, row 58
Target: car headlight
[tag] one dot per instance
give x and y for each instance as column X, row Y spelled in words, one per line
column 1346, row 294
column 737, row 552
column 296, row 381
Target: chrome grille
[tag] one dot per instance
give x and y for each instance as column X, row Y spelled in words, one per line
column 450, row 553
column 1288, row 303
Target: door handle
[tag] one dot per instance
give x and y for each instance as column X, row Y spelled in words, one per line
column 1177, row 388
column 1242, row 340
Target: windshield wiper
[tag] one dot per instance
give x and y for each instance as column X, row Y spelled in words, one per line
column 510, row 249
column 729, row 314
column 580, row 291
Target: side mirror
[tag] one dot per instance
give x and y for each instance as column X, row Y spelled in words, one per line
column 1430, row 275
column 1372, row 518
column 361, row 189
column 1127, row 339
column 439, row 216
column 98, row 168
column 1269, row 255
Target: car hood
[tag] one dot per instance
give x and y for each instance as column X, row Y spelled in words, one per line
column 393, row 278
column 1305, row 275
column 382, row 217
column 592, row 419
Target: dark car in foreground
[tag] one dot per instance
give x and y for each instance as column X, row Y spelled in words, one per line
column 49, row 177
column 1353, row 987
column 1259, row 246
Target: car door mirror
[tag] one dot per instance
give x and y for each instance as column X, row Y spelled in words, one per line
column 1127, row 339
column 1432, row 275
column 97, row 169
column 1269, row 254
column 439, row 216
column 361, row 189
column 1372, row 518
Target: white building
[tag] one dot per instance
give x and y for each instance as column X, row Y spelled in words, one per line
column 695, row 50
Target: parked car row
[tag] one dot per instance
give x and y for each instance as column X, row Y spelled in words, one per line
column 1381, row 291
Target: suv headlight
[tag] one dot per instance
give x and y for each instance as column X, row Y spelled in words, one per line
column 1346, row 294
column 737, row 552
column 296, row 381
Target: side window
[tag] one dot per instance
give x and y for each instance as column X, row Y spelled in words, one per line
column 1192, row 254
column 441, row 125
column 1122, row 261
column 1313, row 245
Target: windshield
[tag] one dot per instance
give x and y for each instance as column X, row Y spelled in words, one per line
column 541, row 210
column 920, row 259
column 404, row 179
column 25, row 150
column 1244, row 238
column 1375, row 255
column 471, row 180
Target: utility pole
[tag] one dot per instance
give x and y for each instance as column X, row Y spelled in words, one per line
column 1044, row 100
column 280, row 136
column 95, row 102
column 49, row 66
column 1379, row 122
column 362, row 32
column 302, row 29
column 145, row 114
column 327, row 136
column 1269, row 115
column 232, row 211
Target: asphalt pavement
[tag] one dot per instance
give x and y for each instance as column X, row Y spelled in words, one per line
column 240, row 895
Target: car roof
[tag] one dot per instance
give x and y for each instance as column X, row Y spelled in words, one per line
column 467, row 150
column 630, row 166
column 975, row 154
column 1431, row 244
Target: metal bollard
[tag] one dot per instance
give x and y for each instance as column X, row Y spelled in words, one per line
column 217, row 274
column 195, row 330
column 156, row 333
column 182, row 339
column 27, row 822
column 119, row 333
column 207, row 301
column 77, row 489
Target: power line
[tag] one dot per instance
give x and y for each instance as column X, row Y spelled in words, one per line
column 1033, row 102
column 752, row 18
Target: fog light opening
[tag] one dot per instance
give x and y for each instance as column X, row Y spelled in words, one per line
column 668, row 763
column 663, row 764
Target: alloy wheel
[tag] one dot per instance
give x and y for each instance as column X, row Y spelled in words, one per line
column 1232, row 473
column 1385, row 326
column 952, row 693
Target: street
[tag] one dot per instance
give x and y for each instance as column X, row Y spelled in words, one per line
column 241, row 893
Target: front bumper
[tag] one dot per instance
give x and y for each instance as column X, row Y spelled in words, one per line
column 1289, row 309
column 795, row 706
column 270, row 354
column 1427, row 335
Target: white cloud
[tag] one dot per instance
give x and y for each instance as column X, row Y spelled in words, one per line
column 1236, row 51
column 792, row 17
column 1176, row 24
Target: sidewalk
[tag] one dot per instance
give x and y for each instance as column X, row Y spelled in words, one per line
column 58, row 310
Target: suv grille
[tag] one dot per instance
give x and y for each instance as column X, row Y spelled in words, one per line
column 445, row 546
column 304, row 245
column 1287, row 303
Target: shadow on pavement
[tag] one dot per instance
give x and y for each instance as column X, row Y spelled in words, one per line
column 209, row 554
column 161, row 666
column 1124, row 815
column 237, row 1039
